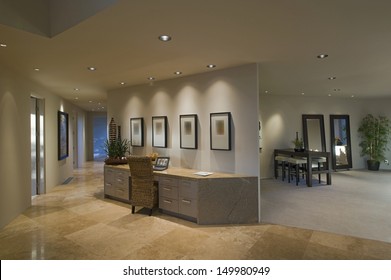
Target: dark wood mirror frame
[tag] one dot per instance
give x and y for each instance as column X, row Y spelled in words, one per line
column 340, row 139
column 305, row 119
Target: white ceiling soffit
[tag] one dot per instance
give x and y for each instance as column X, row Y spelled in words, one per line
column 49, row 17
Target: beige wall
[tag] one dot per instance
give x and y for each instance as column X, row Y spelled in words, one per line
column 15, row 169
column 232, row 90
column 281, row 118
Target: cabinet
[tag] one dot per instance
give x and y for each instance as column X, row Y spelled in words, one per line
column 179, row 196
column 117, row 183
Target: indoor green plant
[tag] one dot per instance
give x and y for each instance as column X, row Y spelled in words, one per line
column 116, row 151
column 375, row 135
column 299, row 144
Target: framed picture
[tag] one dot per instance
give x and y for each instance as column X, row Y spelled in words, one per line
column 220, row 131
column 159, row 132
column 188, row 131
column 137, row 132
column 63, row 138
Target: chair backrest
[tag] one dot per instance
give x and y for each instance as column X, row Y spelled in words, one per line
column 141, row 171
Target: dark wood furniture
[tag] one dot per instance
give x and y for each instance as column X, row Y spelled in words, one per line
column 310, row 156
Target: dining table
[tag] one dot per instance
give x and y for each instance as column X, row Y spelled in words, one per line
column 311, row 157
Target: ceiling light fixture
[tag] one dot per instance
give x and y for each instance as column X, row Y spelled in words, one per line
column 266, row 91
column 76, row 98
column 3, row 45
column 90, row 101
column 76, row 89
column 211, row 66
column 332, row 78
column 323, row 55
column 36, row 69
column 151, row 78
column 165, row 38
column 302, row 93
column 337, row 89
column 177, row 72
column 122, row 83
column 91, row 68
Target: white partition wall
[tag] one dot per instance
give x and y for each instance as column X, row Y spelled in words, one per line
column 233, row 90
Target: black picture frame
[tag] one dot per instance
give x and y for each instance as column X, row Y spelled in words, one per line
column 220, row 131
column 63, row 135
column 188, row 126
column 137, row 132
column 159, row 131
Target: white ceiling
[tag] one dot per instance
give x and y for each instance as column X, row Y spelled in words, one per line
column 283, row 36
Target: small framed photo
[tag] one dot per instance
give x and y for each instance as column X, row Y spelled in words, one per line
column 63, row 137
column 159, row 132
column 188, row 131
column 137, row 132
column 220, row 131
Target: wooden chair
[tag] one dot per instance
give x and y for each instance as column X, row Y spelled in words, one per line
column 144, row 191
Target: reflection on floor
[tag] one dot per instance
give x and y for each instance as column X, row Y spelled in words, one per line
column 74, row 221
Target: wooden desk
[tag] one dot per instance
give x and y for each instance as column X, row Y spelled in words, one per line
column 310, row 155
column 220, row 198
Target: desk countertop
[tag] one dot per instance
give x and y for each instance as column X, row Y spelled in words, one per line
column 188, row 173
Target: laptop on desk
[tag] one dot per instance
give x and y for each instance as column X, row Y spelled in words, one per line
column 161, row 163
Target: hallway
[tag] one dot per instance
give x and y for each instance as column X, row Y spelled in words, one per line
column 74, row 221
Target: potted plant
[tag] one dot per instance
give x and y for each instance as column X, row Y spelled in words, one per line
column 116, row 151
column 375, row 134
column 299, row 144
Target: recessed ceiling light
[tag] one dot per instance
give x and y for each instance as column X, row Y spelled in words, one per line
column 211, row 66
column 323, row 55
column 90, row 101
column 36, row 69
column 266, row 91
column 91, row 68
column 352, row 96
column 177, row 72
column 329, row 94
column 76, row 98
column 151, row 78
column 3, row 45
column 122, row 83
column 302, row 93
column 337, row 89
column 76, row 89
column 165, row 38
column 332, row 78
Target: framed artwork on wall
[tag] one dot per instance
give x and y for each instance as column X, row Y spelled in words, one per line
column 220, row 131
column 63, row 138
column 188, row 131
column 137, row 132
column 159, row 132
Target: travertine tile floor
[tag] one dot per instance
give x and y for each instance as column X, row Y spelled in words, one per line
column 74, row 221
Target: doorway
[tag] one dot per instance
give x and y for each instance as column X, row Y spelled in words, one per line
column 37, row 146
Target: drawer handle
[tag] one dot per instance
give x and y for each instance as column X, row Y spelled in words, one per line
column 186, row 201
column 167, row 201
column 167, row 189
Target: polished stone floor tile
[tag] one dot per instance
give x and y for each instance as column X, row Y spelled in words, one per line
column 75, row 221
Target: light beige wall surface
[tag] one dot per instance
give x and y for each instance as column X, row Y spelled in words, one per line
column 281, row 118
column 15, row 151
column 232, row 90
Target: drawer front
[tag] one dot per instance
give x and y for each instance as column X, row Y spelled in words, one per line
column 188, row 189
column 168, row 204
column 168, row 191
column 188, row 207
column 122, row 192
column 166, row 181
column 110, row 189
column 121, row 181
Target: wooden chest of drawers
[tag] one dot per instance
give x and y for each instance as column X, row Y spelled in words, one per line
column 117, row 183
column 179, row 196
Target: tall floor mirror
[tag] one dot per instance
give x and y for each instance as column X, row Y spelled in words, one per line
column 313, row 133
column 340, row 142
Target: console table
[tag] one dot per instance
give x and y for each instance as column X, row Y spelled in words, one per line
column 310, row 155
column 219, row 198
